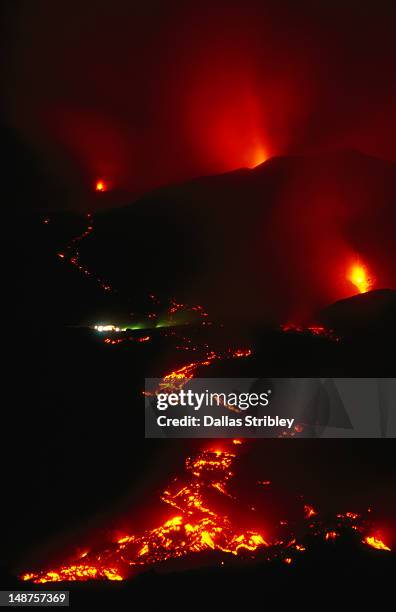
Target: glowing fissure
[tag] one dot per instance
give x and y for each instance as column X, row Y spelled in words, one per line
column 71, row 254
column 313, row 330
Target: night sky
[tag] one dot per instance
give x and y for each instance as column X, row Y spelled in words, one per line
column 151, row 93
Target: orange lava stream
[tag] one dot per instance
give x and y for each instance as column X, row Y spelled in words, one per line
column 376, row 543
column 72, row 255
column 176, row 379
column 197, row 526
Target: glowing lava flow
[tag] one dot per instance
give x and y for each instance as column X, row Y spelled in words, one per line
column 198, row 526
column 71, row 255
column 176, row 379
column 376, row 543
column 358, row 276
column 313, row 330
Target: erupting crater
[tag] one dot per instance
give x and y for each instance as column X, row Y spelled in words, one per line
column 359, row 277
column 100, row 186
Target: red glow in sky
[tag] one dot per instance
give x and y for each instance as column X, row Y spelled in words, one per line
column 239, row 82
column 226, row 116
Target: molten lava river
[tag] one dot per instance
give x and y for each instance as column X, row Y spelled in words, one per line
column 197, row 526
